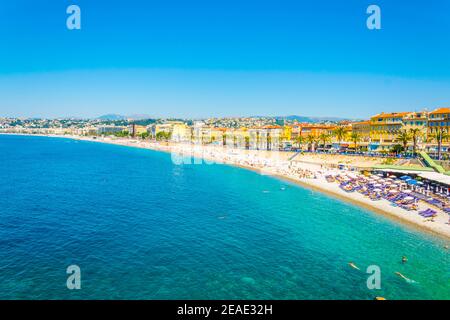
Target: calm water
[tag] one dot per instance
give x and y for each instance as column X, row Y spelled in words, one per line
column 140, row 227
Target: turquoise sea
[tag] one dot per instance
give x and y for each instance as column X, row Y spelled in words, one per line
column 141, row 227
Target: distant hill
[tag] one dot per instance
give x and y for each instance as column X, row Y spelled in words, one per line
column 112, row 117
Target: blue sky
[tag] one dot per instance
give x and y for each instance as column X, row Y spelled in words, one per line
column 223, row 58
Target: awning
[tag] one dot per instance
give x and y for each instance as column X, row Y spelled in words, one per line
column 434, row 176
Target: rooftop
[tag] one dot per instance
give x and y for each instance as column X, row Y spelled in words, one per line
column 440, row 111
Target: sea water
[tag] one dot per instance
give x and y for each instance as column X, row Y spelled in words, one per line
column 141, row 227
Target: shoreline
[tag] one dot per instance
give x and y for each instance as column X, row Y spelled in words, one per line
column 223, row 156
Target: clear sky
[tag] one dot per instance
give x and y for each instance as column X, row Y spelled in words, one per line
column 223, row 58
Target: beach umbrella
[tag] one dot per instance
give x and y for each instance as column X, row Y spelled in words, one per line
column 411, row 182
column 407, row 191
column 376, row 190
column 405, row 177
column 380, row 175
column 419, row 182
column 409, row 198
column 393, row 191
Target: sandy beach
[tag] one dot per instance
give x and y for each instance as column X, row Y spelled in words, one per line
column 306, row 174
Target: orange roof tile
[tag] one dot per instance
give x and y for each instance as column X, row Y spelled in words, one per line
column 272, row 127
column 440, row 111
column 390, row 115
column 362, row 122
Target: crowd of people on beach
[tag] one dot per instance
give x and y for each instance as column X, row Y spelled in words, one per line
column 399, row 191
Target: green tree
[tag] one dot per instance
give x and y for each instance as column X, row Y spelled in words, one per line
column 324, row 138
column 144, row 135
column 403, row 137
column 247, row 142
column 163, row 136
column 415, row 133
column 355, row 137
column 300, row 140
column 268, row 142
column 311, row 141
column 397, row 148
column 439, row 136
column 340, row 134
column 122, row 134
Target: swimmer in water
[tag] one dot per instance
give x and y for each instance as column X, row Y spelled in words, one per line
column 405, row 278
column 351, row 264
column 404, row 259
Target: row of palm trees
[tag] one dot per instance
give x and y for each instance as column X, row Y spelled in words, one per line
column 413, row 134
column 404, row 138
column 340, row 133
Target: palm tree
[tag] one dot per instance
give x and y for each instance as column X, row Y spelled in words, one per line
column 324, row 138
column 258, row 140
column 439, row 136
column 247, row 142
column 415, row 133
column 300, row 141
column 403, row 137
column 224, row 139
column 339, row 133
column 356, row 137
column 269, row 142
column 311, row 141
